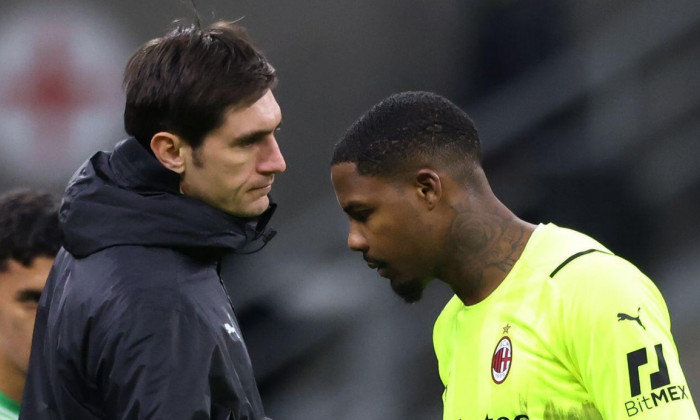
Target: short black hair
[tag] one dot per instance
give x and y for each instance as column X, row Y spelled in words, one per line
column 408, row 128
column 28, row 227
column 185, row 81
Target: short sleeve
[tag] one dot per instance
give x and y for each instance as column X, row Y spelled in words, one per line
column 616, row 330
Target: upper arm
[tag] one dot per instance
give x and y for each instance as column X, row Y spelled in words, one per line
column 155, row 363
column 617, row 333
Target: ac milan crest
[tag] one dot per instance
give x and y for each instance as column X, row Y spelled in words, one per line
column 502, row 359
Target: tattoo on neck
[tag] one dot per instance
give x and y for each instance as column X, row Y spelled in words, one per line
column 487, row 241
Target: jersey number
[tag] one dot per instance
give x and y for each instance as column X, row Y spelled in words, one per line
column 637, row 358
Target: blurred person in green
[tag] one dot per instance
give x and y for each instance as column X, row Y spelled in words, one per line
column 29, row 241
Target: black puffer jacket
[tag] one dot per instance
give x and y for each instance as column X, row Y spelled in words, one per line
column 134, row 322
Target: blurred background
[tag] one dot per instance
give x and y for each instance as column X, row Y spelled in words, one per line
column 589, row 114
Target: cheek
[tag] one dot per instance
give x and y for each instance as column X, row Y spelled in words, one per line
column 396, row 242
column 23, row 323
column 236, row 174
column 16, row 330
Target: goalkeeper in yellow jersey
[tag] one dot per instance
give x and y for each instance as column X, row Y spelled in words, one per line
column 546, row 323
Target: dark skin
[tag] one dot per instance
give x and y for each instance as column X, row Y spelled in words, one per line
column 486, row 237
column 459, row 232
column 492, row 244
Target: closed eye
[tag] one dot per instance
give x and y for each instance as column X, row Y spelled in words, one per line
column 248, row 141
column 29, row 298
column 359, row 215
column 256, row 137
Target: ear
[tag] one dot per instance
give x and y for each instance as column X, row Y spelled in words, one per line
column 170, row 150
column 429, row 187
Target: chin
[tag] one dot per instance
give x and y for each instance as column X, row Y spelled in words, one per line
column 254, row 209
column 410, row 291
column 259, row 207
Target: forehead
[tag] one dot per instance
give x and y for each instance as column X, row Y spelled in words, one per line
column 351, row 187
column 262, row 115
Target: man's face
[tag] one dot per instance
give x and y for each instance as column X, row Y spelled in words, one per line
column 235, row 165
column 389, row 226
column 20, row 288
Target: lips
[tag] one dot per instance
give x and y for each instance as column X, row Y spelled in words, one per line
column 381, row 267
column 266, row 185
column 374, row 264
column 262, row 187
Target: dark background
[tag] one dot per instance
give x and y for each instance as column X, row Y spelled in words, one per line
column 589, row 118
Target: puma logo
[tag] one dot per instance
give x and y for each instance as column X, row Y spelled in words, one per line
column 624, row 317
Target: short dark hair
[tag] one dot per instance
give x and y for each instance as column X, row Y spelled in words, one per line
column 185, row 81
column 409, row 128
column 28, row 227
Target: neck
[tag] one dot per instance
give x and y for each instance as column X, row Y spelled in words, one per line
column 485, row 246
column 11, row 380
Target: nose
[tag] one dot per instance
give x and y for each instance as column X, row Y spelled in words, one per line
column 357, row 241
column 271, row 160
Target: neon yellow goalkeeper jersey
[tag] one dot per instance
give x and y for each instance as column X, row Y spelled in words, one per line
column 573, row 332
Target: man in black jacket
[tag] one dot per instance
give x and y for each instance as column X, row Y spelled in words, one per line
column 135, row 322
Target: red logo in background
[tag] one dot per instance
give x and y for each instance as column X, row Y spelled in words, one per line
column 501, row 361
column 60, row 89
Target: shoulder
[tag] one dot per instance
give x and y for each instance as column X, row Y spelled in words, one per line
column 126, row 280
column 601, row 278
column 551, row 245
column 606, row 298
column 140, row 267
column 586, row 274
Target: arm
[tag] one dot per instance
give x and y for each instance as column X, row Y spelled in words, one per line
column 617, row 332
column 160, row 363
column 154, row 364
